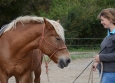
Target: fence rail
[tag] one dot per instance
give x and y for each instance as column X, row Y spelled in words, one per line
column 83, row 38
column 83, row 42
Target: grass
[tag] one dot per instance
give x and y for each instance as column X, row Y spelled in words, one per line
column 79, row 56
column 84, row 49
column 90, row 52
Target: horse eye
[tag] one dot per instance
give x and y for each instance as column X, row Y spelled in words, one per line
column 58, row 39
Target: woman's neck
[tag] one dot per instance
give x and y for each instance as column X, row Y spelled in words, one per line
column 112, row 27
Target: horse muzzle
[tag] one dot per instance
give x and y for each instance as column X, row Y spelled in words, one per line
column 64, row 62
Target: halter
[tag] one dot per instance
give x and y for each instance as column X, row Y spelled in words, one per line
column 43, row 39
column 57, row 48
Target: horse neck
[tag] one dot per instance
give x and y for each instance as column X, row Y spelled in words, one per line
column 25, row 39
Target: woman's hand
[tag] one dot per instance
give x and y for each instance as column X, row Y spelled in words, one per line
column 96, row 58
column 94, row 66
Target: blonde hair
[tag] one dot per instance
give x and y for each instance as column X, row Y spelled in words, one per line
column 108, row 13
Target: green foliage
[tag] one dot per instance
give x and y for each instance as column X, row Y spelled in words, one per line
column 6, row 2
column 10, row 9
column 106, row 3
column 57, row 10
column 78, row 17
column 82, row 22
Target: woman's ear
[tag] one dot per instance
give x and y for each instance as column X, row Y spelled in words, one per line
column 111, row 21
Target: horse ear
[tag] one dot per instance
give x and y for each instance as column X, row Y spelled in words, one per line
column 44, row 20
column 58, row 20
column 48, row 24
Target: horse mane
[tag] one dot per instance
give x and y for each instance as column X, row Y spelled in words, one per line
column 26, row 19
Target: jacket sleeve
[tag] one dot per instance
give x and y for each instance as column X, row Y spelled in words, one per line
column 107, row 57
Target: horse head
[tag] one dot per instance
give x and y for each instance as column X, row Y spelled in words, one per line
column 52, row 43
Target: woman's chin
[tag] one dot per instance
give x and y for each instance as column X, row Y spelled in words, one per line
column 106, row 27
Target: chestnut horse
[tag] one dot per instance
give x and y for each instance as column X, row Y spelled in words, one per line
column 21, row 45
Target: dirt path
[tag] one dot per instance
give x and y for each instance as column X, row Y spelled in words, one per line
column 68, row 74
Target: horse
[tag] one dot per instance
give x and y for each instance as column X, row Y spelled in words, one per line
column 23, row 43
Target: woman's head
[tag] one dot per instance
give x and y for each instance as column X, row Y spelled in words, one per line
column 107, row 17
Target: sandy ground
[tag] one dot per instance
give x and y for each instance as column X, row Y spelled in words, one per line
column 68, row 74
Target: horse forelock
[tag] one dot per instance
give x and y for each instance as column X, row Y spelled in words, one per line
column 26, row 19
column 59, row 29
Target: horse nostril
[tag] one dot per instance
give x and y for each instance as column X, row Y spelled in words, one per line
column 68, row 61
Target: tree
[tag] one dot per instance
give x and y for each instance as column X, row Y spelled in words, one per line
column 10, row 9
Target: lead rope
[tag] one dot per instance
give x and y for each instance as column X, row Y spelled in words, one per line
column 100, row 78
column 46, row 65
column 91, row 70
column 82, row 72
column 91, row 74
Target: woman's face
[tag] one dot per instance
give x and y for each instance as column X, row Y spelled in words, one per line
column 105, row 22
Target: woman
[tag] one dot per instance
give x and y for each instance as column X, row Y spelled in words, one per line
column 107, row 52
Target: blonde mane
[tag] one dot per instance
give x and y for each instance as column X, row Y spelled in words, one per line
column 26, row 19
